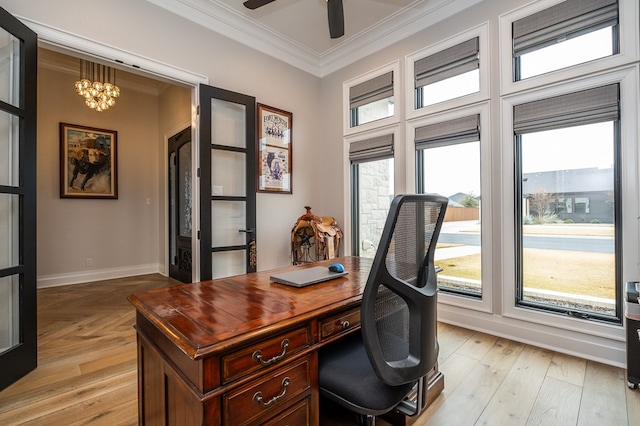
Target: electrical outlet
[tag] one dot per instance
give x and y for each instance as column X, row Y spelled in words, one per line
column 89, row 261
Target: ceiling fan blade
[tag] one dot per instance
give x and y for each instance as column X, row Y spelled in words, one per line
column 336, row 18
column 254, row 4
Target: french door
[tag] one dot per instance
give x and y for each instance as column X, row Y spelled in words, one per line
column 227, row 183
column 180, row 206
column 18, row 82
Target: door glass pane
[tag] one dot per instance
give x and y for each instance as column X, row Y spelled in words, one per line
column 9, row 230
column 184, row 189
column 172, row 206
column 568, row 226
column 375, row 192
column 454, row 171
column 227, row 219
column 9, row 152
column 9, row 68
column 9, row 312
column 228, row 126
column 228, row 263
column 228, row 173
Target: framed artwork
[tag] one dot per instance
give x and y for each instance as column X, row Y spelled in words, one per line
column 274, row 150
column 88, row 162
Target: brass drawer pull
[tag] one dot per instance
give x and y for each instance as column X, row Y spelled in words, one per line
column 257, row 355
column 345, row 324
column 257, row 398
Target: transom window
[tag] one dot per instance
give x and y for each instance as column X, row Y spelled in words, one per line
column 570, row 33
column 371, row 100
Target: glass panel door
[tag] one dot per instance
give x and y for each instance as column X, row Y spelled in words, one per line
column 18, row 81
column 180, row 206
column 227, row 183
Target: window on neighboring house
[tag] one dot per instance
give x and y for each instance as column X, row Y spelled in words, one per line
column 569, row 33
column 371, row 100
column 568, row 259
column 448, row 74
column 372, row 189
column 448, row 163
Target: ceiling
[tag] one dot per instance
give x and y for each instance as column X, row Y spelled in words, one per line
column 296, row 31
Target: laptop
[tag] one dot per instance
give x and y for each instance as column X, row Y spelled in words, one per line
column 306, row 276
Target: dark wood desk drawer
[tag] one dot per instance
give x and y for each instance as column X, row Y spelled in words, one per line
column 268, row 395
column 264, row 354
column 297, row 415
column 339, row 323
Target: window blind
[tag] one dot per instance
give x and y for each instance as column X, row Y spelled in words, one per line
column 377, row 88
column 377, row 148
column 459, row 130
column 573, row 109
column 447, row 63
column 568, row 19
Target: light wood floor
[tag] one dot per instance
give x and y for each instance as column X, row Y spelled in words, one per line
column 87, row 372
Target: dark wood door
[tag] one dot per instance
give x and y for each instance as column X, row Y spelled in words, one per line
column 227, row 183
column 180, row 206
column 18, row 82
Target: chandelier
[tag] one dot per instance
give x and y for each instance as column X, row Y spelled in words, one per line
column 97, row 85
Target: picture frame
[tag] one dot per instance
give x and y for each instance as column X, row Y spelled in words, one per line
column 275, row 143
column 88, row 162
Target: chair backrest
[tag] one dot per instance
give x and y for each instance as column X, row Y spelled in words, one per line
column 398, row 311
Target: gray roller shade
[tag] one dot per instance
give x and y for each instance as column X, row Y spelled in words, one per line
column 568, row 19
column 447, row 63
column 377, row 148
column 573, row 109
column 377, row 88
column 459, row 130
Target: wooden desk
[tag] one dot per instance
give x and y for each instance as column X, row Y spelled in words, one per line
column 243, row 350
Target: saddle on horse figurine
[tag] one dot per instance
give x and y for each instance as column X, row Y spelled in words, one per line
column 314, row 238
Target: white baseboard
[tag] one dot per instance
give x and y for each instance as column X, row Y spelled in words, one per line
column 595, row 348
column 98, row 275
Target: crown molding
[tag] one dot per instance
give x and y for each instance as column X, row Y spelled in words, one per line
column 222, row 19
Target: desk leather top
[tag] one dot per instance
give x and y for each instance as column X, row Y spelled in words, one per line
column 206, row 317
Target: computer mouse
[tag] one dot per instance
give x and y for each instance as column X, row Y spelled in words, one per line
column 336, row 267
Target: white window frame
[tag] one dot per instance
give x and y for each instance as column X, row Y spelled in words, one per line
column 485, row 303
column 628, row 79
column 398, row 186
column 397, row 98
column 628, row 19
column 482, row 32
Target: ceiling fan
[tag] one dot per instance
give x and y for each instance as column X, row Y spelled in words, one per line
column 335, row 14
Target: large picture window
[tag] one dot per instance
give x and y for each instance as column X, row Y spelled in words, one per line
column 372, row 189
column 448, row 163
column 568, row 219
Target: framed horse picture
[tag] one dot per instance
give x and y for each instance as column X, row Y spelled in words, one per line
column 88, row 162
column 274, row 150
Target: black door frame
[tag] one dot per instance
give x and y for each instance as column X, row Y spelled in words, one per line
column 206, row 93
column 22, row 358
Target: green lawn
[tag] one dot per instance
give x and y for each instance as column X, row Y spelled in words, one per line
column 564, row 271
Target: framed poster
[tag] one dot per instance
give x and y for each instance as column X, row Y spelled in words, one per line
column 274, row 150
column 88, row 162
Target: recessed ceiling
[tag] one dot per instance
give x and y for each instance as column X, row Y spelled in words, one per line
column 296, row 31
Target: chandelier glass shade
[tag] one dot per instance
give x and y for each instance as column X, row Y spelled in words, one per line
column 97, row 85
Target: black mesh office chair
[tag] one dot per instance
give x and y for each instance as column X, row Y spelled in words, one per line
column 373, row 372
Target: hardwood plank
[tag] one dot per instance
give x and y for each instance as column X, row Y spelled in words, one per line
column 597, row 406
column 478, row 345
column 512, row 402
column 468, row 401
column 558, row 403
column 568, row 368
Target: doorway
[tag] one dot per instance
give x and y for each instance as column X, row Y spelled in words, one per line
column 180, row 201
